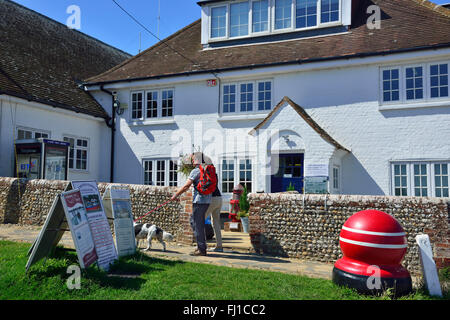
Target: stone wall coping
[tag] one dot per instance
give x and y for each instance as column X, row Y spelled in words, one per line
column 330, row 198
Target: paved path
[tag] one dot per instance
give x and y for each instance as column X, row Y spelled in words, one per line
column 235, row 253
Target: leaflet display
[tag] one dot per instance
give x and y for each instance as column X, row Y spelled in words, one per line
column 101, row 232
column 117, row 205
column 81, row 233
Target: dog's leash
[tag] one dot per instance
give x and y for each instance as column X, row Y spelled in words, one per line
column 139, row 219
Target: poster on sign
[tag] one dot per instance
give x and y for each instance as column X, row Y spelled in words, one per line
column 101, row 232
column 118, row 206
column 79, row 227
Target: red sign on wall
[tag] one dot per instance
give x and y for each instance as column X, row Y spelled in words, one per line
column 211, row 82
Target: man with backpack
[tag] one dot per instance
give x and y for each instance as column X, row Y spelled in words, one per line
column 203, row 178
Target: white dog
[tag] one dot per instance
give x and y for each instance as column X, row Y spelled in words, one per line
column 149, row 232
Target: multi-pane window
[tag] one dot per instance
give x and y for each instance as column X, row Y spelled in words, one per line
column 173, row 173
column 417, row 83
column 239, row 19
column 218, row 22
column 441, row 179
column 329, row 11
column 227, row 175
column 245, row 174
column 391, row 85
column 148, row 172
column 336, row 178
column 400, row 180
column 136, row 105
column 260, row 16
column 236, row 171
column 246, row 95
column 160, row 172
column 414, row 83
column 158, row 103
column 229, row 98
column 152, row 104
column 305, row 13
column 283, row 14
column 264, row 95
column 439, row 80
column 420, row 180
column 246, row 90
column 167, row 103
column 31, row 134
column 78, row 153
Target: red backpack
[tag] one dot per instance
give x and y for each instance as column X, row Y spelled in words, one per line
column 208, row 180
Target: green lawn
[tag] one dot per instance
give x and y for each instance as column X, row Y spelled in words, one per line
column 158, row 279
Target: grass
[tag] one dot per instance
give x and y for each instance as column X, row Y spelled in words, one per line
column 157, row 279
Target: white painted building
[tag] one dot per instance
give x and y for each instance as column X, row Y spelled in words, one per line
column 42, row 63
column 286, row 92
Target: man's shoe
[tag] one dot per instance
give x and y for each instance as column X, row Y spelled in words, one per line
column 197, row 253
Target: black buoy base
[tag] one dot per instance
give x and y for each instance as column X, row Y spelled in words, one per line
column 400, row 286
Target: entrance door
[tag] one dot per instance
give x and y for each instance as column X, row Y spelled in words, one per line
column 290, row 173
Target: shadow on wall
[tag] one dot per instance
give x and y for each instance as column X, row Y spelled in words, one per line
column 265, row 245
column 357, row 180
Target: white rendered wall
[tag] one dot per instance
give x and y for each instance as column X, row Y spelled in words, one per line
column 343, row 99
column 20, row 113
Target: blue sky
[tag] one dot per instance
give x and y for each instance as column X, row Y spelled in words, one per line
column 103, row 20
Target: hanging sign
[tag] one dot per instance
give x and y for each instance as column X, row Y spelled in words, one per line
column 116, row 202
column 79, row 227
column 101, row 232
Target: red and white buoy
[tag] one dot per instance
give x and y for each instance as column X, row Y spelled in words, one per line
column 373, row 244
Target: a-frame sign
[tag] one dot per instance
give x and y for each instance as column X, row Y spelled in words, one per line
column 56, row 224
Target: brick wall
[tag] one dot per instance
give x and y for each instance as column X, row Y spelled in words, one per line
column 308, row 227
column 28, row 202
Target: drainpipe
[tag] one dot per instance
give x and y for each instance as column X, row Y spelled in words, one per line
column 111, row 125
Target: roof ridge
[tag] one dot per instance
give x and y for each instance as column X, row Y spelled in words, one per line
column 62, row 24
column 159, row 43
column 435, row 7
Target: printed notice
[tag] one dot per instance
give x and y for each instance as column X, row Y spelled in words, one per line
column 101, row 232
column 79, row 227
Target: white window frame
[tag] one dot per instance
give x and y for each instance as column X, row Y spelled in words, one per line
column 403, row 102
column 271, row 20
column 236, row 175
column 158, row 105
column 255, row 101
column 33, row 132
column 75, row 148
column 433, row 176
column 227, row 10
column 154, row 171
column 410, row 186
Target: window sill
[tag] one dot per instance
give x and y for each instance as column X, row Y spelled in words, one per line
column 155, row 122
column 242, row 117
column 415, row 105
column 78, row 171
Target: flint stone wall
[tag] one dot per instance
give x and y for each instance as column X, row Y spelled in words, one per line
column 308, row 227
column 27, row 202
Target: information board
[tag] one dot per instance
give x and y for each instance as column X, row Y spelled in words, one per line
column 79, row 227
column 316, row 185
column 101, row 232
column 116, row 202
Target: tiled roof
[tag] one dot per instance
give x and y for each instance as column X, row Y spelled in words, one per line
column 406, row 25
column 305, row 116
column 42, row 60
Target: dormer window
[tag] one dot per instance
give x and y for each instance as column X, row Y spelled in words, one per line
column 229, row 20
